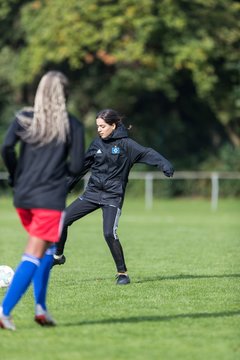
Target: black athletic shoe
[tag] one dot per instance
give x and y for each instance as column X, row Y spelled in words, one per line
column 59, row 261
column 122, row 279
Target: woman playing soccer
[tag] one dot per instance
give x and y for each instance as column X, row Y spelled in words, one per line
column 51, row 147
column 110, row 158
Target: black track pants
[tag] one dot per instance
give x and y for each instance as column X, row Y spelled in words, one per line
column 81, row 207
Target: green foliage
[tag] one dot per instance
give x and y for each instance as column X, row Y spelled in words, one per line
column 226, row 160
column 173, row 64
column 159, row 39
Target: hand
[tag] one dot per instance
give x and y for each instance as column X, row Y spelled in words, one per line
column 168, row 170
column 69, row 185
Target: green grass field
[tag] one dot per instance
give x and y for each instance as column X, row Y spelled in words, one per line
column 183, row 302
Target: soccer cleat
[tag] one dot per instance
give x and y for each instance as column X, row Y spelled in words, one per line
column 6, row 321
column 43, row 318
column 122, row 279
column 58, row 260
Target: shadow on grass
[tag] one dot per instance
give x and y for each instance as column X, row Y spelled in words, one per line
column 140, row 319
column 164, row 278
column 186, row 277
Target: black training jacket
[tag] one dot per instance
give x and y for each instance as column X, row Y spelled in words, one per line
column 110, row 161
column 39, row 174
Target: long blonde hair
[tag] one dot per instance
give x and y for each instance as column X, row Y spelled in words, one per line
column 50, row 118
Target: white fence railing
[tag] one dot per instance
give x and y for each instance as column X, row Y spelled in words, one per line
column 185, row 175
column 148, row 177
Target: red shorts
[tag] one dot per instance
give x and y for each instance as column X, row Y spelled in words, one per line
column 43, row 223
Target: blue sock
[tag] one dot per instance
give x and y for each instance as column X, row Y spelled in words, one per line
column 21, row 280
column 41, row 277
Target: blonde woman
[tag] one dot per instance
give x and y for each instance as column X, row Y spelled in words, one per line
column 51, row 147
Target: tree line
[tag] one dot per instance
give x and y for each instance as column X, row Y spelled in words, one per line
column 171, row 66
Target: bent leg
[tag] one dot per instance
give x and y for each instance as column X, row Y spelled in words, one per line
column 110, row 224
column 75, row 211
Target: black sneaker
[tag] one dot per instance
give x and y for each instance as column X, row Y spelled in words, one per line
column 59, row 261
column 122, row 279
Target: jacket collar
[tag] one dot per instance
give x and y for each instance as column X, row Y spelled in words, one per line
column 119, row 133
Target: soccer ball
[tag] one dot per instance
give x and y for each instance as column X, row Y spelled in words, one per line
column 6, row 275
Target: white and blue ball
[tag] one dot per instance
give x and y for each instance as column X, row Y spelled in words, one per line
column 6, row 276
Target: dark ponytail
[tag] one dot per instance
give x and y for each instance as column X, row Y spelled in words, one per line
column 111, row 117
